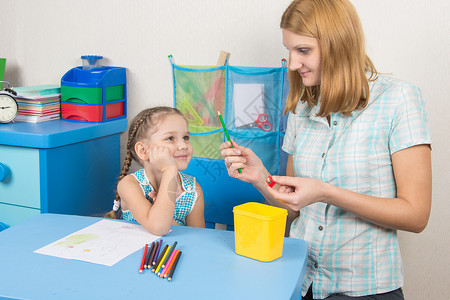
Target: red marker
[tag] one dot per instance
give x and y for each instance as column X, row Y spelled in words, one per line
column 270, row 181
column 143, row 258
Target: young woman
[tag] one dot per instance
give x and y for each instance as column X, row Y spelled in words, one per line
column 359, row 165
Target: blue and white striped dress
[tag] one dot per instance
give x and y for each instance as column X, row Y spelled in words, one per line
column 346, row 253
column 184, row 203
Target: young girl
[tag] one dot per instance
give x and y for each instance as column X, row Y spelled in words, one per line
column 159, row 195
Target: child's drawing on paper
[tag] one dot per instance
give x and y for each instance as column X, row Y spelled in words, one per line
column 77, row 239
column 105, row 242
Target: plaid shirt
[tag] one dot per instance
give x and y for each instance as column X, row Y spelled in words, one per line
column 346, row 253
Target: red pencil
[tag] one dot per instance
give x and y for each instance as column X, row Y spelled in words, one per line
column 143, row 259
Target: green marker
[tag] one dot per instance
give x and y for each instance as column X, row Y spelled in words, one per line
column 226, row 132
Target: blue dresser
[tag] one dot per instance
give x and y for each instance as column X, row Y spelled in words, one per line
column 58, row 167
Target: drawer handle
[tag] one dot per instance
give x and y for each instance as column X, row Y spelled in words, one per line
column 3, row 172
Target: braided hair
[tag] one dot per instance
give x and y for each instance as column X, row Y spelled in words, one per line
column 139, row 129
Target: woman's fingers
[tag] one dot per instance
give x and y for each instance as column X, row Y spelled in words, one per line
column 285, row 189
column 285, row 180
column 280, row 196
column 232, row 157
column 225, row 145
column 227, row 151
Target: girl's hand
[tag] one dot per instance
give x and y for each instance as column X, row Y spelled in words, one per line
column 162, row 159
column 245, row 159
column 297, row 192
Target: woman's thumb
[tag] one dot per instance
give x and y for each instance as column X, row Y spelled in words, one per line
column 235, row 145
column 284, row 180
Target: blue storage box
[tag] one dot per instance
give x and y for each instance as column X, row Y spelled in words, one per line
column 94, row 90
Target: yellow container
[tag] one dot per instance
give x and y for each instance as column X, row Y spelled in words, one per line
column 259, row 230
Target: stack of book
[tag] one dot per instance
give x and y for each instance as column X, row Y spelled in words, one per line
column 38, row 103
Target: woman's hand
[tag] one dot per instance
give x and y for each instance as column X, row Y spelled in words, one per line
column 409, row 211
column 239, row 157
column 297, row 192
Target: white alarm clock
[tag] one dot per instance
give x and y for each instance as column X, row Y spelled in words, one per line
column 8, row 104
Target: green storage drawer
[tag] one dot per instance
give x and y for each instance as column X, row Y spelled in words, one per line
column 90, row 95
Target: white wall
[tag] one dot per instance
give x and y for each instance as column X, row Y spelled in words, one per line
column 408, row 38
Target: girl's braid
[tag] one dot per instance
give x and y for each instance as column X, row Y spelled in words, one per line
column 130, row 145
column 130, row 154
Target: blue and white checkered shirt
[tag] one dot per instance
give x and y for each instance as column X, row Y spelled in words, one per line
column 346, row 253
column 184, row 203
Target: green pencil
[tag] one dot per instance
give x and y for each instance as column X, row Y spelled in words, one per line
column 226, row 132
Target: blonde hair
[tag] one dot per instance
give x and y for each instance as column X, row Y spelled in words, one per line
column 344, row 86
column 143, row 123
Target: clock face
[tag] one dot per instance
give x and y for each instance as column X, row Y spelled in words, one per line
column 8, row 108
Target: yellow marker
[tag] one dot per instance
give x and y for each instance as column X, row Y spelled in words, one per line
column 160, row 263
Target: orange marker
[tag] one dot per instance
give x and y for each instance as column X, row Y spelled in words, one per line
column 166, row 270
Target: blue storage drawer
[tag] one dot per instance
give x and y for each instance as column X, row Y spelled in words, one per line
column 22, row 185
column 12, row 214
column 58, row 167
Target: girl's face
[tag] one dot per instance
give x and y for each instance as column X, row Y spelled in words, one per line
column 172, row 133
column 304, row 56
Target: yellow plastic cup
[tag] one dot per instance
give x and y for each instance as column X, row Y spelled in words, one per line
column 259, row 231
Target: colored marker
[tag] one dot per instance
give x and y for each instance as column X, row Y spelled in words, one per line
column 172, row 248
column 152, row 255
column 226, row 132
column 155, row 258
column 167, row 264
column 172, row 270
column 160, row 259
column 159, row 269
column 170, row 264
column 270, row 181
column 149, row 254
column 143, row 259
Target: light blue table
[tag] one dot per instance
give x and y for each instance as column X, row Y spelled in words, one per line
column 208, row 268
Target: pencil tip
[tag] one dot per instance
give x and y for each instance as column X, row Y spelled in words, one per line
column 218, row 112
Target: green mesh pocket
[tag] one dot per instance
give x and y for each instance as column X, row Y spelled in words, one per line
column 199, row 94
column 206, row 141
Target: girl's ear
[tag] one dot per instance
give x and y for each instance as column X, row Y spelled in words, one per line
column 142, row 151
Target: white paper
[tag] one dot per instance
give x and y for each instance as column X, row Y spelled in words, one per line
column 248, row 102
column 105, row 242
